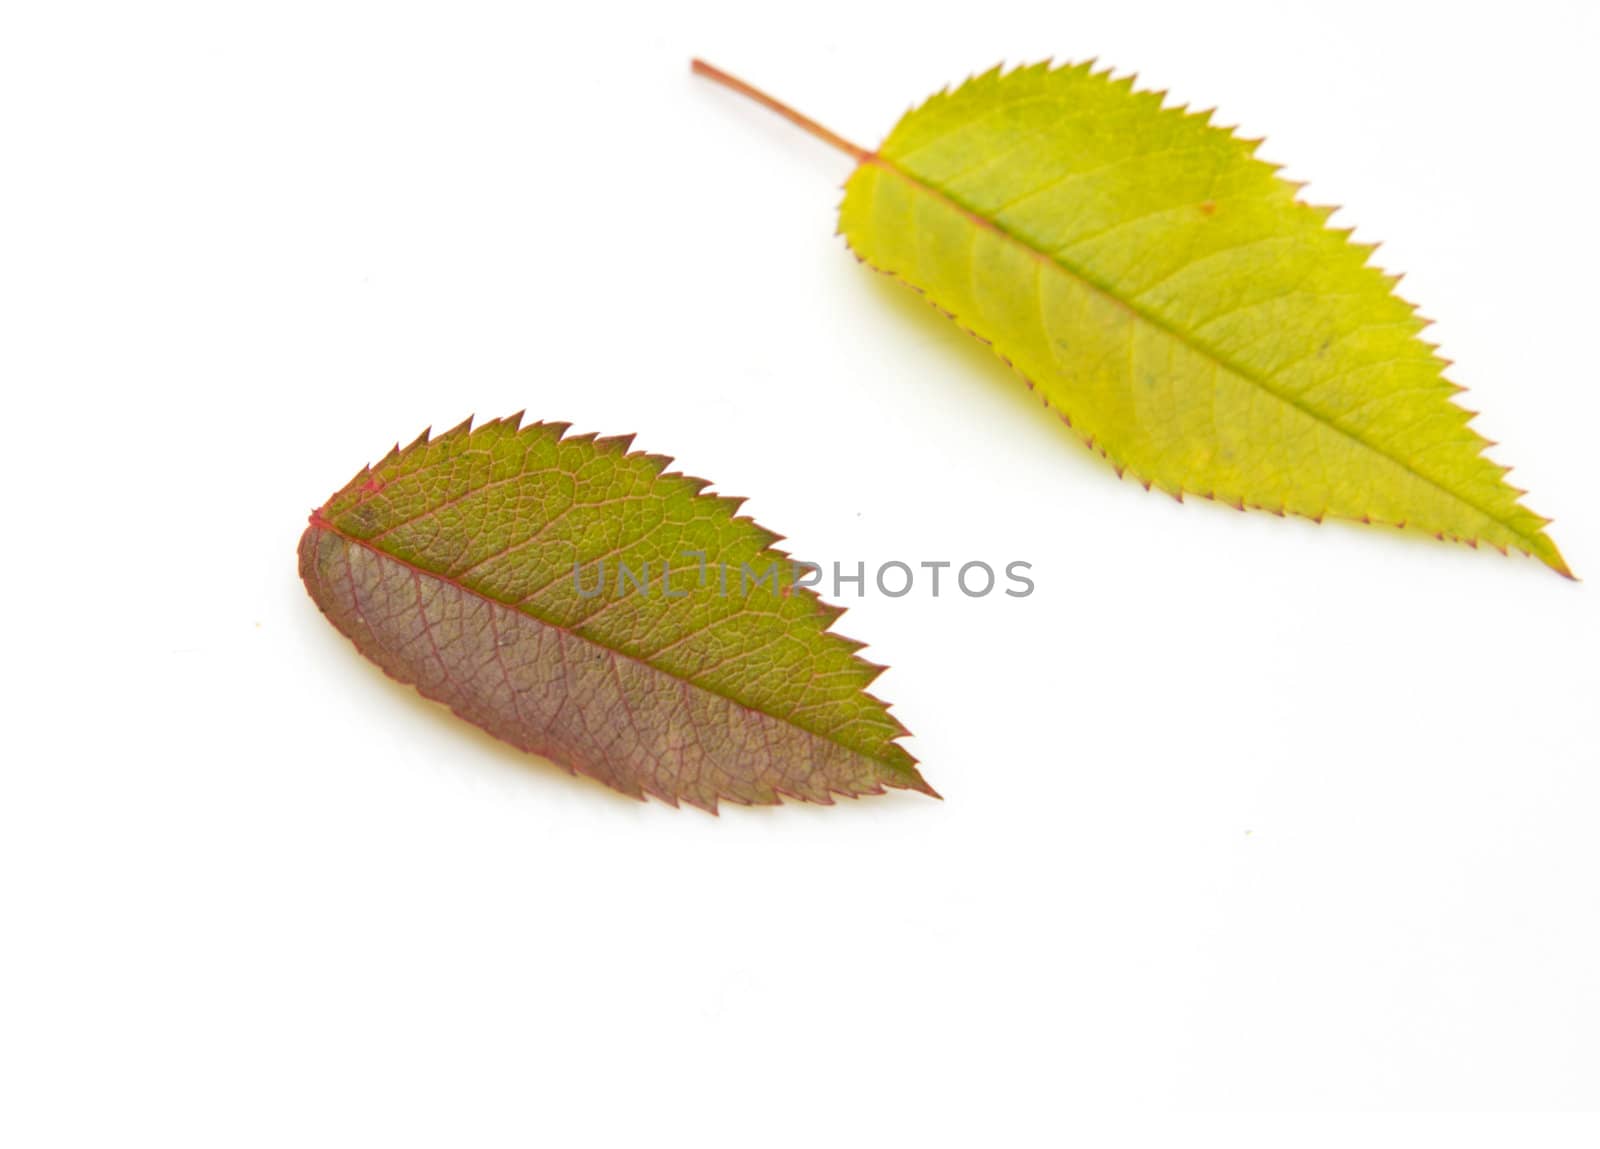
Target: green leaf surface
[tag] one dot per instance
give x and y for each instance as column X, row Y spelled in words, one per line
column 1168, row 294
column 467, row 565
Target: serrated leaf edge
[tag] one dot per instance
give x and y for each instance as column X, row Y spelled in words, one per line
column 829, row 611
column 1556, row 562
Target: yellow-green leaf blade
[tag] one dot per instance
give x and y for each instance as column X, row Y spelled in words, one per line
column 1170, row 296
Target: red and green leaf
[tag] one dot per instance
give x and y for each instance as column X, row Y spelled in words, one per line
column 467, row 565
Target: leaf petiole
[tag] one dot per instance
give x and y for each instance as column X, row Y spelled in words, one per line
column 805, row 123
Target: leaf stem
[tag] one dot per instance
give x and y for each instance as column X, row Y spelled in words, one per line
column 805, row 123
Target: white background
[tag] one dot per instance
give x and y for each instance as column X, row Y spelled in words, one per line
column 1241, row 813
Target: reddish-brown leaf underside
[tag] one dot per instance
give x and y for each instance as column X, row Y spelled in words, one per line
column 451, row 565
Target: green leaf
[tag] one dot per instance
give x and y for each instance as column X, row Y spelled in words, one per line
column 467, row 565
column 1174, row 301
